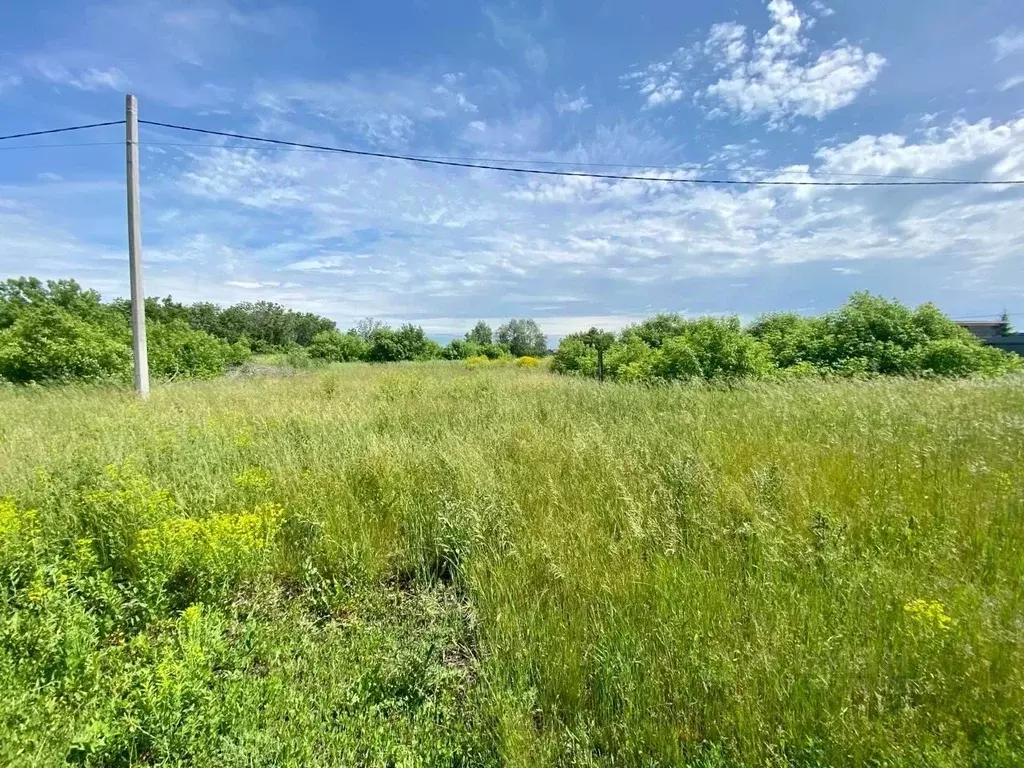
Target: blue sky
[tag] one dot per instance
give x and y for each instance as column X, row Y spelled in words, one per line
column 749, row 90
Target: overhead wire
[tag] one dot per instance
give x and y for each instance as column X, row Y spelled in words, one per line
column 61, row 130
column 579, row 174
column 62, row 146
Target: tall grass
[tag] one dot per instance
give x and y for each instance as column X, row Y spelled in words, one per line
column 479, row 566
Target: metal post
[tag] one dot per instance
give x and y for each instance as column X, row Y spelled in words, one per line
column 139, row 354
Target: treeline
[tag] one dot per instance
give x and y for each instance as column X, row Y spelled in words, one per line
column 374, row 342
column 262, row 325
column 868, row 335
column 58, row 331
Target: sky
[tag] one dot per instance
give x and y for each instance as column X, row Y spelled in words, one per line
column 828, row 90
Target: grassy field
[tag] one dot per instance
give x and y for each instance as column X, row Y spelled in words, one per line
column 427, row 564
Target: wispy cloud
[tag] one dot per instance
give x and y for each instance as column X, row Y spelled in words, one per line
column 1011, row 82
column 83, row 78
column 566, row 103
column 1008, row 43
column 515, row 34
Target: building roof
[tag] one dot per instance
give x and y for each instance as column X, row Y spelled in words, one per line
column 980, row 323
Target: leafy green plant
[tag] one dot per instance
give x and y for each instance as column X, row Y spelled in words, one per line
column 47, row 343
column 337, row 347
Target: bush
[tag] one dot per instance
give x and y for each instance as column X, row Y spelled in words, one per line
column 724, row 351
column 867, row 336
column 46, row 343
column 178, row 351
column 337, row 347
column 676, row 359
column 385, row 347
column 527, row 362
column 632, row 361
column 575, row 357
column 460, row 349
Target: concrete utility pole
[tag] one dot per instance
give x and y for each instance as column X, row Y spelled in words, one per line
column 141, row 358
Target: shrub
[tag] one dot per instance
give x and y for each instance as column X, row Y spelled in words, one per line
column 46, row 343
column 724, row 351
column 460, row 349
column 178, row 351
column 385, row 347
column 632, row 361
column 790, row 338
column 527, row 362
column 575, row 357
column 335, row 347
column 655, row 330
column 951, row 357
column 677, row 359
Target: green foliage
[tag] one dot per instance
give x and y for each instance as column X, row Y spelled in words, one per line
column 654, row 331
column 867, row 336
column 575, row 356
column 58, row 332
column 523, row 337
column 481, row 335
column 459, row 349
column 407, row 343
column 49, row 343
column 337, row 347
column 632, row 361
column 178, row 351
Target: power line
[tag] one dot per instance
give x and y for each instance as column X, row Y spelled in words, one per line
column 61, row 130
column 578, row 164
column 581, row 174
column 62, row 146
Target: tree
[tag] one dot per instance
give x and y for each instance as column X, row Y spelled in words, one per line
column 365, row 328
column 337, row 347
column 523, row 337
column 49, row 343
column 459, row 349
column 384, row 346
column 601, row 341
column 481, row 334
column 655, row 330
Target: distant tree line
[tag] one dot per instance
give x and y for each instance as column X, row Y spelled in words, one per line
column 56, row 330
column 263, row 325
column 374, row 342
column 868, row 335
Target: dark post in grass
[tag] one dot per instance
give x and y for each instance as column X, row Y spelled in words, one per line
column 599, row 340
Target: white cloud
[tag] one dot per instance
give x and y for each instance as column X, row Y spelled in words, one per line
column 663, row 82
column 727, row 42
column 383, row 107
column 1008, row 43
column 996, row 149
column 823, row 10
column 775, row 78
column 575, row 104
column 776, row 81
column 1011, row 82
column 83, row 78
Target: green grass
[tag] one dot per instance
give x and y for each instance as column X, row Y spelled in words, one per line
column 428, row 564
